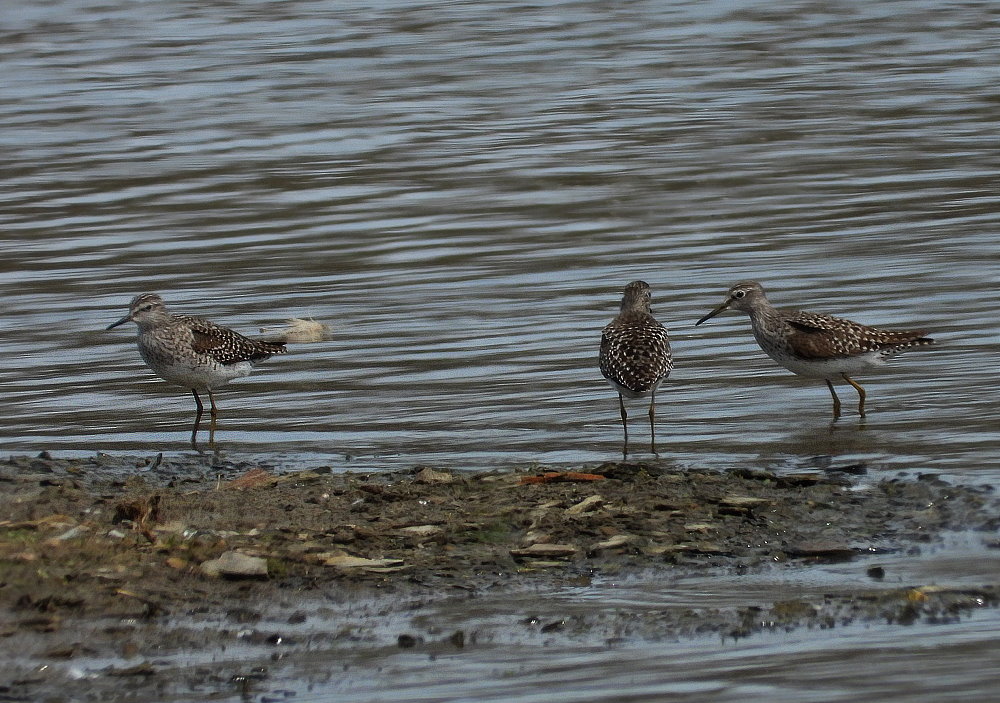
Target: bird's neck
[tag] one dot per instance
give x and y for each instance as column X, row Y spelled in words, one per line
column 633, row 315
column 763, row 315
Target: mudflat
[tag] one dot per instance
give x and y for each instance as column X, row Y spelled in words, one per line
column 117, row 572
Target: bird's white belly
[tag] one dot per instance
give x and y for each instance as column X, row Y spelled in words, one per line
column 202, row 377
column 831, row 369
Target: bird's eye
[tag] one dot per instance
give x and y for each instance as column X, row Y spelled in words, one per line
column 147, row 308
column 739, row 294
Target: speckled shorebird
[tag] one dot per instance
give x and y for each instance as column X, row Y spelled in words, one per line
column 635, row 354
column 815, row 345
column 201, row 355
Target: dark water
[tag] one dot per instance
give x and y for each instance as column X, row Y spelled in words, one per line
column 462, row 190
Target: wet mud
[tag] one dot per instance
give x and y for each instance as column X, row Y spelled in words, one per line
column 156, row 578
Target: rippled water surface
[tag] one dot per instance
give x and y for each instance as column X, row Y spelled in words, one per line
column 463, row 189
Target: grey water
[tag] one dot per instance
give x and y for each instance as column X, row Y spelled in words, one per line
column 461, row 190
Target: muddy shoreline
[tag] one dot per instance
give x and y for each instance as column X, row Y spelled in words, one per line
column 119, row 570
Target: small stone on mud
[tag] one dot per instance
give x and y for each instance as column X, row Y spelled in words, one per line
column 876, row 572
column 406, row 641
column 251, row 479
column 346, row 561
column 615, row 542
column 429, row 475
column 790, row 610
column 586, row 505
column 422, row 530
column 536, row 537
column 548, row 505
column 72, row 533
column 549, row 551
column 234, row 564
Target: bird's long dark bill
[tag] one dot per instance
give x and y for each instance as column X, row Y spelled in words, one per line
column 120, row 322
column 721, row 308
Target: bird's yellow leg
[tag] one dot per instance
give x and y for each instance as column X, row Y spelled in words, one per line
column 215, row 416
column 861, row 394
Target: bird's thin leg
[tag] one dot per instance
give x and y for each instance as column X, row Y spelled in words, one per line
column 652, row 426
column 836, row 400
column 214, row 410
column 197, row 418
column 215, row 416
column 621, row 406
column 861, row 394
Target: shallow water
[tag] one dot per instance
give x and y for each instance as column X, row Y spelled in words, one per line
column 626, row 659
column 806, row 666
column 608, row 640
column 462, row 190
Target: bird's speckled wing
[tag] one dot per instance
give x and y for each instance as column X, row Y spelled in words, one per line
column 816, row 336
column 226, row 346
column 635, row 352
